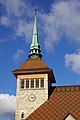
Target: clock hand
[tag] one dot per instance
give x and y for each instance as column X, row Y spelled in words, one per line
column 32, row 97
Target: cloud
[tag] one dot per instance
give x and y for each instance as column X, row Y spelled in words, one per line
column 2, row 40
column 17, row 16
column 7, row 106
column 16, row 8
column 18, row 55
column 13, row 7
column 24, row 29
column 62, row 20
column 73, row 61
column 4, row 21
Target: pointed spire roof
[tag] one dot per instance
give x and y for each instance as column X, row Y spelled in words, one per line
column 35, row 45
column 34, row 64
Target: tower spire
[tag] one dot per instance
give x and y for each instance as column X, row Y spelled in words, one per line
column 35, row 46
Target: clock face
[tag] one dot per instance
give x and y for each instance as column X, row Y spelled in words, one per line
column 32, row 98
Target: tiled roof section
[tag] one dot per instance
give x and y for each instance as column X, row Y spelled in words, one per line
column 63, row 101
column 31, row 65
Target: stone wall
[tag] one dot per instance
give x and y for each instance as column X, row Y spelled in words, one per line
column 23, row 104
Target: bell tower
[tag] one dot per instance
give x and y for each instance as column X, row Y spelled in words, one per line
column 34, row 79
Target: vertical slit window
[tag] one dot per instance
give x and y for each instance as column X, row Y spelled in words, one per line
column 22, row 83
column 42, row 83
column 27, row 83
column 32, row 83
column 37, row 83
column 22, row 115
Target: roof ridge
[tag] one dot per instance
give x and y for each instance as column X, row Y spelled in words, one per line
column 67, row 88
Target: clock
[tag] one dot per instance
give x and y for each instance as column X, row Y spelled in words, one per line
column 32, row 98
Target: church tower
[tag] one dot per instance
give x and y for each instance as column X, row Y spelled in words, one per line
column 34, row 79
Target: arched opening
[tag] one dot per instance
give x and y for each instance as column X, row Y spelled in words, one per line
column 22, row 115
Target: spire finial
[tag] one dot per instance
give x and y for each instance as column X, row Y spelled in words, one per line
column 35, row 46
column 35, row 11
